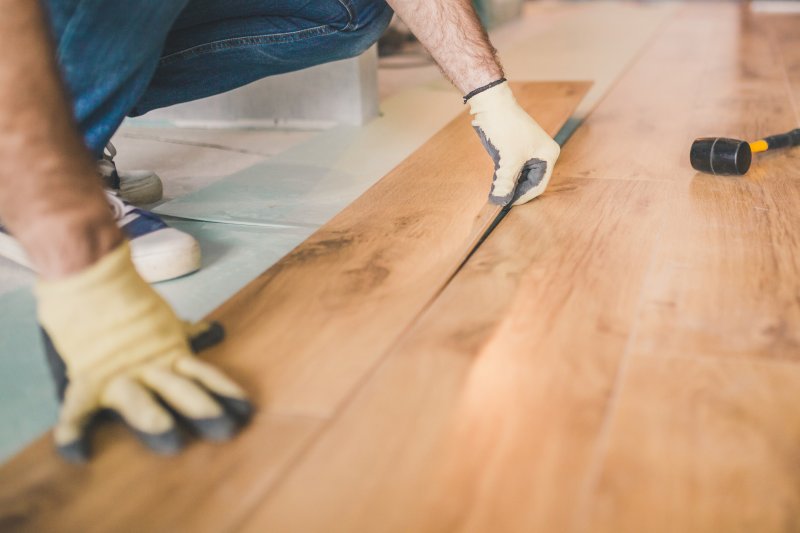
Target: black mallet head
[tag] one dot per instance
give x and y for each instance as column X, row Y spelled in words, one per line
column 718, row 155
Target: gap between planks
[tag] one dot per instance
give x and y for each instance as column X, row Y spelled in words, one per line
column 301, row 336
column 368, row 376
column 359, row 477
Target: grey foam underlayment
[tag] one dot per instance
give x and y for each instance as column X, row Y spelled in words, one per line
column 235, row 254
column 232, row 255
column 308, row 184
column 27, row 395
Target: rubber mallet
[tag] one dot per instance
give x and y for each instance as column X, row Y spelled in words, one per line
column 718, row 155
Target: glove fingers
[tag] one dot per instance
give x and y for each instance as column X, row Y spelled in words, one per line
column 225, row 390
column 195, row 407
column 210, row 376
column 149, row 420
column 533, row 188
column 505, row 182
column 70, row 431
column 533, row 181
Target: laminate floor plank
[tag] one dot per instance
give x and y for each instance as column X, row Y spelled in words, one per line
column 786, row 42
column 703, row 434
column 300, row 338
column 126, row 489
column 317, row 321
column 520, row 400
column 702, row 444
column 619, row 355
column 727, row 276
column 710, row 71
column 484, row 417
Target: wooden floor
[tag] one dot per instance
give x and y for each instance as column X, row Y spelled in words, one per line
column 622, row 354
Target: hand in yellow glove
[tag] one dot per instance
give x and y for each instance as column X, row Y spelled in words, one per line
column 124, row 350
column 524, row 154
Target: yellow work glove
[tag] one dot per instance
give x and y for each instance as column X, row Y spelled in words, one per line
column 524, row 154
column 124, row 350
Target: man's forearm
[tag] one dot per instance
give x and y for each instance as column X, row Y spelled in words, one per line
column 451, row 31
column 50, row 197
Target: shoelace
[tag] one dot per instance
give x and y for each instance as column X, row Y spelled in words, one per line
column 136, row 222
column 107, row 168
column 116, row 203
column 120, row 208
column 110, row 152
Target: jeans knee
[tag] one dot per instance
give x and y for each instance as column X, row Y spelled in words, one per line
column 370, row 20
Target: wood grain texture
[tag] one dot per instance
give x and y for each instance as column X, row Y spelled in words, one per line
column 703, row 434
column 620, row 355
column 126, row 489
column 301, row 337
column 726, row 277
column 616, row 355
column 702, row 444
column 318, row 320
column 786, row 46
column 710, row 71
column 484, row 416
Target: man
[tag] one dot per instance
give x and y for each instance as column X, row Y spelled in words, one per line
column 71, row 70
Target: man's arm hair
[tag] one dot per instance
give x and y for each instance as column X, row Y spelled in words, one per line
column 452, row 32
column 50, row 196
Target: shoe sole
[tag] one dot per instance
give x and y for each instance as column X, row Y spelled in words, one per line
column 140, row 187
column 177, row 255
column 168, row 263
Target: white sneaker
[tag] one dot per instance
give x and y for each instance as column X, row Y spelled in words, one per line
column 158, row 251
column 138, row 187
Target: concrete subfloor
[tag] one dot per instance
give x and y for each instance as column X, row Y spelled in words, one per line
column 583, row 41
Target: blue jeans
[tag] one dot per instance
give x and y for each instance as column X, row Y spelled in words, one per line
column 126, row 58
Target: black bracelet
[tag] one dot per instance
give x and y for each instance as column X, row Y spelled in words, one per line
column 484, row 88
